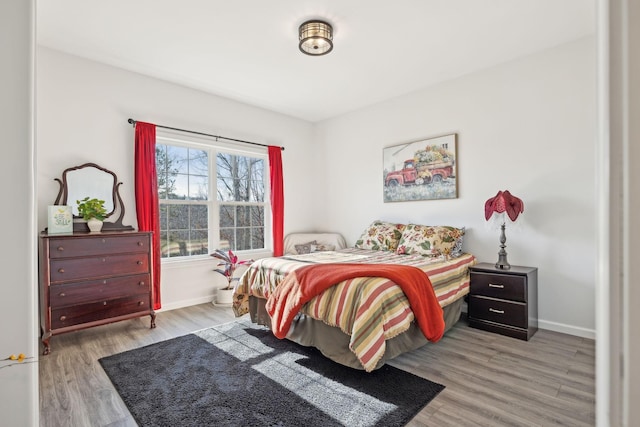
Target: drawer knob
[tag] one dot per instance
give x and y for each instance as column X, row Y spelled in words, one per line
column 62, row 294
column 104, row 303
column 140, row 283
column 495, row 285
column 104, row 241
column 63, row 318
column 493, row 310
column 140, row 263
column 61, row 270
column 104, row 260
column 140, row 303
column 140, row 244
column 61, row 248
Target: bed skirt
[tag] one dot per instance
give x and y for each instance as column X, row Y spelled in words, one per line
column 334, row 343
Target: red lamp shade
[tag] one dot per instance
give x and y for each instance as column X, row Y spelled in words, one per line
column 503, row 202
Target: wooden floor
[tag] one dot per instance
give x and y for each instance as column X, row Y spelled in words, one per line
column 490, row 380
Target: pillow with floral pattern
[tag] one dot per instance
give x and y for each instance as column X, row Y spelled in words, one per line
column 381, row 236
column 431, row 241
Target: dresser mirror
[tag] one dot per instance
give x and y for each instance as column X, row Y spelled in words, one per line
column 93, row 181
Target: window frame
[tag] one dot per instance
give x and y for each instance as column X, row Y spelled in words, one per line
column 214, row 146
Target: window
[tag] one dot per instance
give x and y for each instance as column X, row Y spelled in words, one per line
column 240, row 182
column 210, row 198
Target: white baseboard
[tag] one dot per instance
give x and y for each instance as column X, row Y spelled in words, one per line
column 185, row 303
column 567, row 329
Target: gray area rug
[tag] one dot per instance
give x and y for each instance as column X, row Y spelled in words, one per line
column 239, row 374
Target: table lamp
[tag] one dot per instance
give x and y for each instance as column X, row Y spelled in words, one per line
column 500, row 209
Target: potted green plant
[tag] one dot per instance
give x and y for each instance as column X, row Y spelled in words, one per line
column 93, row 211
column 229, row 263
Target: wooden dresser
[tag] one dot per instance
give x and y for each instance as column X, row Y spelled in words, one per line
column 504, row 301
column 89, row 279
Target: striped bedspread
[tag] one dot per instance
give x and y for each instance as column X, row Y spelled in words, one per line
column 369, row 309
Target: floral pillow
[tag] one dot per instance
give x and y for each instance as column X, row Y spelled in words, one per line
column 381, row 236
column 431, row 241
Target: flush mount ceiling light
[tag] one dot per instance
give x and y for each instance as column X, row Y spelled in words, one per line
column 316, row 38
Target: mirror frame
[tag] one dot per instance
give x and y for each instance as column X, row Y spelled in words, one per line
column 78, row 223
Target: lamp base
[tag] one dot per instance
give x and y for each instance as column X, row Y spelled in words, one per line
column 502, row 263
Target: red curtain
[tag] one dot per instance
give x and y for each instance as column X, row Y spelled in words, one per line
column 277, row 198
column 147, row 209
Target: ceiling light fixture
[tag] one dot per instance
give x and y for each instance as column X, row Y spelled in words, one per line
column 316, row 38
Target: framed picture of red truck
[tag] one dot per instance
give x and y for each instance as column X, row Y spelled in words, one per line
column 421, row 170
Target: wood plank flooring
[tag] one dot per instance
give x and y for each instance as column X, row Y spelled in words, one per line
column 490, row 380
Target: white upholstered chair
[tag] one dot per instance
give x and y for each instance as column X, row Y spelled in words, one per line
column 293, row 239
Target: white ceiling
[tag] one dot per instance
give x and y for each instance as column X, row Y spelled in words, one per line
column 247, row 50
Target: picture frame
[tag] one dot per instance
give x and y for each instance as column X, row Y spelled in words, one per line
column 59, row 219
column 421, row 170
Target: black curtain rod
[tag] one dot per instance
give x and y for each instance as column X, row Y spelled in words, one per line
column 133, row 122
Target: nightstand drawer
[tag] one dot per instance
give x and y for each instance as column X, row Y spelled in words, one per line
column 502, row 286
column 499, row 311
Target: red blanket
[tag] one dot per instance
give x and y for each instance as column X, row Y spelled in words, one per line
column 301, row 285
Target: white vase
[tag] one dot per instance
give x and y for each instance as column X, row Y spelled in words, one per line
column 224, row 297
column 94, row 225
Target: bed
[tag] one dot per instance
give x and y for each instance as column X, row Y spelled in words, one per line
column 362, row 321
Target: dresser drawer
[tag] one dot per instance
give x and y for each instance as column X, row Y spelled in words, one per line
column 84, row 313
column 499, row 311
column 88, row 246
column 98, row 290
column 86, row 268
column 499, row 286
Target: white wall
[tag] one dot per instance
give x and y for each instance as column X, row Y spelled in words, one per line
column 18, row 316
column 83, row 107
column 527, row 126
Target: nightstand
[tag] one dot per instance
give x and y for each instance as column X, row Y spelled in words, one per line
column 504, row 301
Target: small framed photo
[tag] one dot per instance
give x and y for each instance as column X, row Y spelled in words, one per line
column 59, row 219
column 420, row 170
